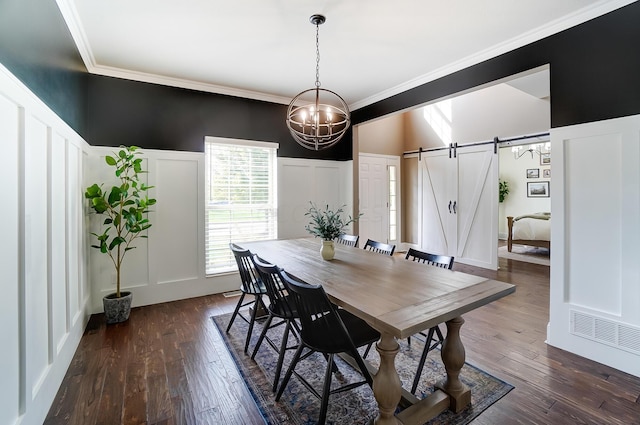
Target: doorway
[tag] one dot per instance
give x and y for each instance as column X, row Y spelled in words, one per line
column 380, row 200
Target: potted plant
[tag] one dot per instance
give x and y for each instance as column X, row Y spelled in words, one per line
column 503, row 187
column 125, row 207
column 328, row 225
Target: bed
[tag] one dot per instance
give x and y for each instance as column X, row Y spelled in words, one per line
column 529, row 229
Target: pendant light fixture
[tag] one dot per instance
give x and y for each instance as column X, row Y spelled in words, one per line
column 318, row 118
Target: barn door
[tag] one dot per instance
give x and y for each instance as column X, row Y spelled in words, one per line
column 477, row 207
column 460, row 206
column 438, row 179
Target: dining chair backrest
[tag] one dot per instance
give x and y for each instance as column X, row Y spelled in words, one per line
column 379, row 247
column 279, row 302
column 443, row 261
column 349, row 240
column 322, row 327
column 249, row 277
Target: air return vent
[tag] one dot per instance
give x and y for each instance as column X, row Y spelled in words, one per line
column 605, row 331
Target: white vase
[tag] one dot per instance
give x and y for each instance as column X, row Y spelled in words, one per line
column 327, row 250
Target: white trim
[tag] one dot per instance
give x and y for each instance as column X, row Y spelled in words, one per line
column 241, row 142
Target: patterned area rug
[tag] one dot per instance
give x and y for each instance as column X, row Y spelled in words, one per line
column 298, row 406
column 528, row 254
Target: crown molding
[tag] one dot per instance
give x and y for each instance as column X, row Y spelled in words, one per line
column 187, row 84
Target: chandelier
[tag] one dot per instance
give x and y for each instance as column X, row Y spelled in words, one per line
column 537, row 148
column 318, row 118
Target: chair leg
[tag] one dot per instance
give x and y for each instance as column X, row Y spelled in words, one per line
column 235, row 312
column 324, row 403
column 283, row 349
column 292, row 366
column 427, row 347
column 262, row 335
column 252, row 322
column 366, row 351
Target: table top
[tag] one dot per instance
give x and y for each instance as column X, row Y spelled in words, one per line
column 394, row 295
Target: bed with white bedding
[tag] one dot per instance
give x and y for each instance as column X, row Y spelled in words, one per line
column 529, row 229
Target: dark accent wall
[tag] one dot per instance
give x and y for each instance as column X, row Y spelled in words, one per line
column 594, row 68
column 594, row 71
column 36, row 46
column 123, row 112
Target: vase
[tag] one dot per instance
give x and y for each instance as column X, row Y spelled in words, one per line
column 327, row 250
column 116, row 310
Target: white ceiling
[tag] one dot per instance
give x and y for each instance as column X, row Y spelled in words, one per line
column 265, row 49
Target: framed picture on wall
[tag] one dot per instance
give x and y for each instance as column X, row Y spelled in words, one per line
column 545, row 158
column 533, row 173
column 537, row 189
column 546, row 173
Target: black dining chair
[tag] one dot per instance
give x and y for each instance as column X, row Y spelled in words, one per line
column 282, row 307
column 379, row 247
column 250, row 284
column 326, row 330
column 348, row 240
column 433, row 337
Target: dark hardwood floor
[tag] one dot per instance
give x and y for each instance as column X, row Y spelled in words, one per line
column 167, row 365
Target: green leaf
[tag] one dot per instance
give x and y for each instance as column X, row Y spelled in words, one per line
column 115, row 242
column 93, row 191
column 99, row 205
column 114, row 195
column 122, row 154
column 110, row 160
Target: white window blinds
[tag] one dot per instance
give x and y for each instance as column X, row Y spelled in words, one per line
column 240, row 197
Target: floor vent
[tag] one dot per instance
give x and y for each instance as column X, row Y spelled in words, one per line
column 232, row 294
column 606, row 331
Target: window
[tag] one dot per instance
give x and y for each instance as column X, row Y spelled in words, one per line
column 393, row 207
column 240, row 197
column 440, row 116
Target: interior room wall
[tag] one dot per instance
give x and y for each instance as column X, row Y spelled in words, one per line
column 383, row 137
column 514, row 172
column 44, row 283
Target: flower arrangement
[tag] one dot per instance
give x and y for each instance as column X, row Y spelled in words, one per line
column 326, row 223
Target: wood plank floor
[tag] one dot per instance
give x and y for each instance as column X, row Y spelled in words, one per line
column 167, row 365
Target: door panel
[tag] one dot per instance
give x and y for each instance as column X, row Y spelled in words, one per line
column 477, row 207
column 374, row 197
column 460, row 205
column 438, row 182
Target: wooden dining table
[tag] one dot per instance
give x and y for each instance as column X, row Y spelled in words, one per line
column 399, row 298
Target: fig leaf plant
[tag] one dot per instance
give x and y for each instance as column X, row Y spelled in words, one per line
column 125, row 207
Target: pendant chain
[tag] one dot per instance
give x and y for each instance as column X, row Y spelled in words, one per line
column 317, row 55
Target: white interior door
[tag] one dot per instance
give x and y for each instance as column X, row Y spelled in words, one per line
column 459, row 204
column 374, row 186
column 477, row 207
column 438, row 180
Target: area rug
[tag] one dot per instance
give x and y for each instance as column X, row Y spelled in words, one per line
column 299, row 407
column 528, row 254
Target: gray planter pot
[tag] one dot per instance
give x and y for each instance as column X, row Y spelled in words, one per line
column 117, row 310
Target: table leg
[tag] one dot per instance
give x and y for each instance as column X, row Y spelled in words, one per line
column 386, row 383
column 453, row 357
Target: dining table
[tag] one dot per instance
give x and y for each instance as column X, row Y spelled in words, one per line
column 399, row 298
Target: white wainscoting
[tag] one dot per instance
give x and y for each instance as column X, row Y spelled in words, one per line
column 44, row 286
column 595, row 273
column 301, row 181
column 169, row 265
